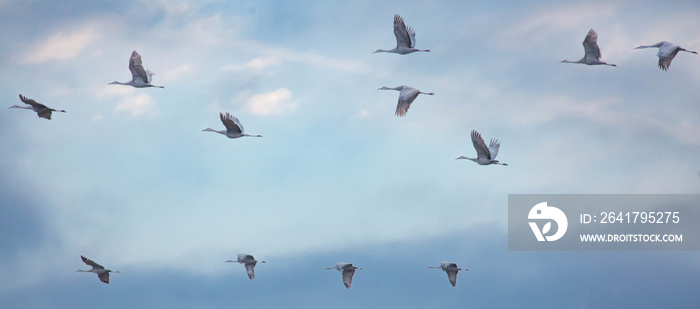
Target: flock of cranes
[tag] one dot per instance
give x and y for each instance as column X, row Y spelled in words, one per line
column 667, row 51
column 347, row 269
column 405, row 44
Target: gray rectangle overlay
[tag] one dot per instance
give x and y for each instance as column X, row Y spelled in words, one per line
column 604, row 222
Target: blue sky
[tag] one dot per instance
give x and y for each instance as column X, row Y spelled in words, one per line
column 127, row 178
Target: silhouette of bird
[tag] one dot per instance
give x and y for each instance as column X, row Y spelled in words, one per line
column 234, row 129
column 592, row 52
column 347, row 269
column 451, row 269
column 101, row 272
column 405, row 39
column 667, row 51
column 406, row 96
column 140, row 78
column 249, row 262
column 485, row 155
column 41, row 110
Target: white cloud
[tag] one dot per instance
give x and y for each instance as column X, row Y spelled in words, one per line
column 256, row 65
column 115, row 90
column 61, row 46
column 276, row 54
column 97, row 118
column 609, row 112
column 272, row 103
column 210, row 31
column 139, row 105
column 565, row 17
column 177, row 72
column 540, row 27
column 364, row 113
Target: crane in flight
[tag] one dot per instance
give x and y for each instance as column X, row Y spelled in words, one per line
column 41, row 110
column 667, row 51
column 248, row 261
column 405, row 39
column 592, row 52
column 451, row 269
column 406, row 96
column 101, row 272
column 234, row 129
column 484, row 155
column 140, row 77
column 347, row 270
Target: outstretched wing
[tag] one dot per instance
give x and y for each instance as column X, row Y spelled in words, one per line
column 406, row 97
column 231, row 123
column 666, row 55
column 250, row 269
column 493, row 148
column 452, row 276
column 31, row 102
column 481, row 150
column 104, row 277
column 403, row 36
column 44, row 113
column 138, row 74
column 347, row 277
column 590, row 45
column 412, row 35
column 91, row 263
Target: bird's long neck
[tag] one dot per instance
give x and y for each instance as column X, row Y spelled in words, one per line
column 23, row 107
column 463, row 157
column 243, row 134
column 385, row 51
column 428, row 93
column 650, row 46
column 217, row 131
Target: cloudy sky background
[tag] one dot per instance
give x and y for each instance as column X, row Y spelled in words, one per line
column 127, row 178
